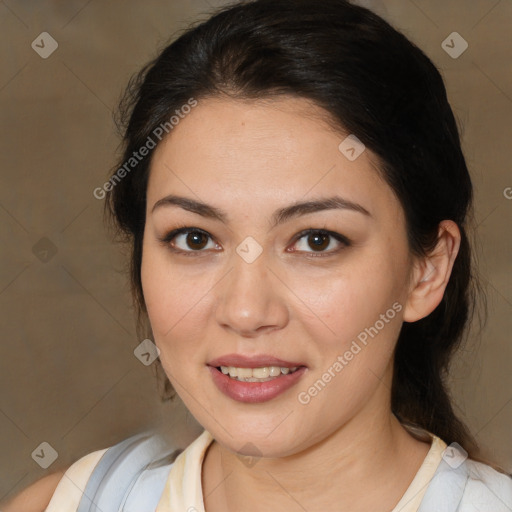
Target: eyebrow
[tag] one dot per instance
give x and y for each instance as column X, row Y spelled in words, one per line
column 281, row 215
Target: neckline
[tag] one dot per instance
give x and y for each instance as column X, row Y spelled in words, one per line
column 183, row 489
column 411, row 499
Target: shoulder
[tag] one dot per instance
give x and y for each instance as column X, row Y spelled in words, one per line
column 69, row 490
column 134, row 469
column 465, row 485
column 131, row 472
column 39, row 495
column 486, row 486
column 35, row 497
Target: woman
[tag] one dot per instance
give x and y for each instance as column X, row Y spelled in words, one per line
column 297, row 201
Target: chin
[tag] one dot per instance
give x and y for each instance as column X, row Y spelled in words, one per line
column 246, row 439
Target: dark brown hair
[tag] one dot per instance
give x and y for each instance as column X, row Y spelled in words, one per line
column 374, row 83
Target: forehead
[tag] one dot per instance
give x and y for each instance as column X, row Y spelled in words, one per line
column 283, row 149
column 275, row 125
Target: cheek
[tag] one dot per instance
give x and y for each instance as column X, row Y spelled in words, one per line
column 158, row 295
column 355, row 324
column 176, row 305
column 167, row 297
column 339, row 304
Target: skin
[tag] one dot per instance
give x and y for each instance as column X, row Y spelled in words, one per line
column 36, row 497
column 250, row 158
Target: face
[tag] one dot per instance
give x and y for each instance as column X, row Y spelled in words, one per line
column 321, row 288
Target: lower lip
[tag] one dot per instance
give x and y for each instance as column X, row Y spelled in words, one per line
column 253, row 392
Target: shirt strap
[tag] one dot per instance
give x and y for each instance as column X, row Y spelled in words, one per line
column 121, row 470
column 446, row 489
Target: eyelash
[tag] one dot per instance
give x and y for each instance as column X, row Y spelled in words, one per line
column 166, row 241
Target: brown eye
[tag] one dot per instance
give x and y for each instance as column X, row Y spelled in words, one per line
column 196, row 240
column 318, row 240
column 191, row 241
column 186, row 240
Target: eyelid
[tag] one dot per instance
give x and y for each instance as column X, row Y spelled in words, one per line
column 180, row 230
column 185, row 229
column 337, row 236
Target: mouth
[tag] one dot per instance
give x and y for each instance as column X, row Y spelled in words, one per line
column 254, row 379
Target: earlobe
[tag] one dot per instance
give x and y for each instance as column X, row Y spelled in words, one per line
column 431, row 274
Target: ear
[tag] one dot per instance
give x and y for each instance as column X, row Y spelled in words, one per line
column 431, row 274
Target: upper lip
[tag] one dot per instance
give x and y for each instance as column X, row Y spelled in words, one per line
column 256, row 361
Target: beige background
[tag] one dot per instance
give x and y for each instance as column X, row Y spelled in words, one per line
column 68, row 375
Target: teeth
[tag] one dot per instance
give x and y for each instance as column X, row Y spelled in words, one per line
column 275, row 371
column 242, row 373
column 256, row 374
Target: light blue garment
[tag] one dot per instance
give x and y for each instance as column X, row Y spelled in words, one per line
column 470, row 487
column 131, row 476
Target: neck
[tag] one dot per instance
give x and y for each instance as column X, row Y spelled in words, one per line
column 367, row 463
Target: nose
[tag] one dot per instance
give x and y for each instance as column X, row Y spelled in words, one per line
column 251, row 299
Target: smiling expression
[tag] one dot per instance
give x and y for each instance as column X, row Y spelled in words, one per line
column 254, row 274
